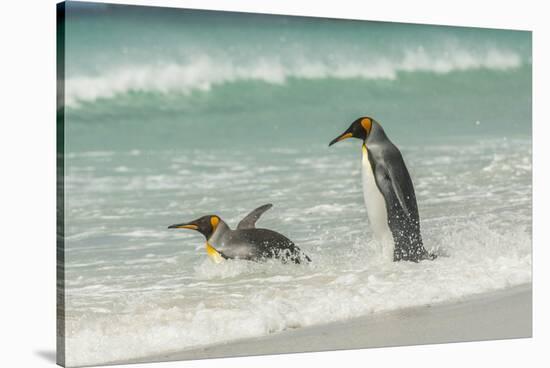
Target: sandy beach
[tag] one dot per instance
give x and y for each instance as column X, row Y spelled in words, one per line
column 504, row 314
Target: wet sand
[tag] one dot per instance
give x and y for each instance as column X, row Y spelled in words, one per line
column 504, row 314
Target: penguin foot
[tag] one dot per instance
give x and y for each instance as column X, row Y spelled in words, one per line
column 413, row 256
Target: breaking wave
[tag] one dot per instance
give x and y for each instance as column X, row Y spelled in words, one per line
column 204, row 72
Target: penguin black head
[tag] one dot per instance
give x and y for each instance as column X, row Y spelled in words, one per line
column 205, row 225
column 360, row 129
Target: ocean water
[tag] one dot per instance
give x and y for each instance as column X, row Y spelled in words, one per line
column 175, row 114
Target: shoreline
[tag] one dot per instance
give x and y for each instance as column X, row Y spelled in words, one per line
column 502, row 314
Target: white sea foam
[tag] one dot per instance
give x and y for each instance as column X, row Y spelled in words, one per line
column 137, row 289
column 242, row 299
column 204, row 72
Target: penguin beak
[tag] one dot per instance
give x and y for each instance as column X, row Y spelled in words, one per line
column 184, row 226
column 341, row 137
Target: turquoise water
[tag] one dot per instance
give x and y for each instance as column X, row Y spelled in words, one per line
column 174, row 114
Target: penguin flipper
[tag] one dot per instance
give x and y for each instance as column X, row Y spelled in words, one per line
column 249, row 221
column 396, row 183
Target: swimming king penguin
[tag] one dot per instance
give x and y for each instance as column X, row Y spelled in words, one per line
column 388, row 192
column 246, row 242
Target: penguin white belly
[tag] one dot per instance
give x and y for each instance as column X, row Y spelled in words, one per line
column 376, row 209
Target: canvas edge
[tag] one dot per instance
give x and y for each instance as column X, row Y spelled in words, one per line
column 60, row 188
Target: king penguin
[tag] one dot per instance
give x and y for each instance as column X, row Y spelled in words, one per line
column 388, row 192
column 246, row 242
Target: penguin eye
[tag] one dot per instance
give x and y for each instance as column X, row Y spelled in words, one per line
column 366, row 123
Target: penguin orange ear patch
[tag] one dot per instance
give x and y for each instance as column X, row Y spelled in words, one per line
column 367, row 125
column 214, row 221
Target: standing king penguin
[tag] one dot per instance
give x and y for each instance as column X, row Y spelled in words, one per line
column 389, row 193
column 246, row 242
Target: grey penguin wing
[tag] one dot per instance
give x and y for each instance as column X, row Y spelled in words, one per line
column 394, row 181
column 249, row 221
